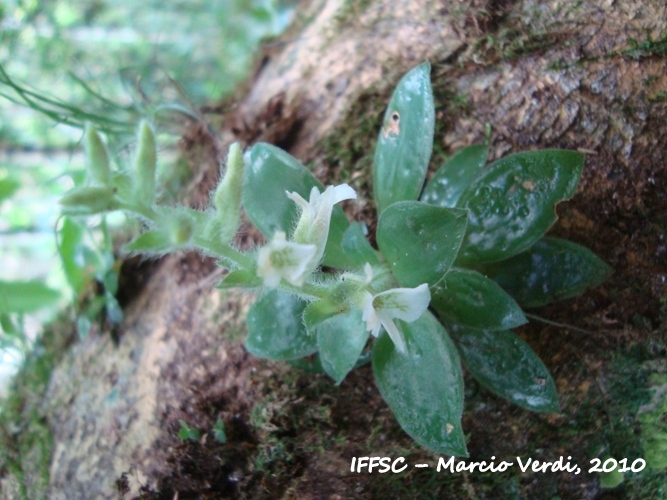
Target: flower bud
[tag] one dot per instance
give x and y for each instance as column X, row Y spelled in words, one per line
column 227, row 198
column 145, row 164
column 88, row 200
column 97, row 158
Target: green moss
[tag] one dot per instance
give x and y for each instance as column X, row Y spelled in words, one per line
column 510, row 44
column 658, row 97
column 610, row 480
column 351, row 150
column 648, row 484
column 270, row 417
column 647, row 48
column 653, row 421
column 635, row 403
column 25, row 439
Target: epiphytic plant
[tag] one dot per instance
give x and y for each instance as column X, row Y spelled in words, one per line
column 447, row 282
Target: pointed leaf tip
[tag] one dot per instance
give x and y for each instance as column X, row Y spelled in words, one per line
column 405, row 141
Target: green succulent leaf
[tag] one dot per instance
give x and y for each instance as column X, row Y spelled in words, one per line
column 155, row 241
column 508, row 367
column 25, row 296
column 405, row 142
column 454, row 177
column 313, row 364
column 340, row 340
column 512, row 202
column 467, row 298
column 420, row 241
column 269, row 173
column 70, row 248
column 88, row 200
column 275, row 329
column 424, row 386
column 552, row 269
column 356, row 246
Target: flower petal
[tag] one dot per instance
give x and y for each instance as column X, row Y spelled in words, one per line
column 394, row 332
column 368, row 271
column 300, row 255
column 323, row 205
column 314, row 197
column 315, row 219
column 369, row 316
column 343, row 192
column 264, row 262
column 284, row 259
column 407, row 304
column 299, row 200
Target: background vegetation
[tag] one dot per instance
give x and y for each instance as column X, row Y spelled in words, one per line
column 65, row 63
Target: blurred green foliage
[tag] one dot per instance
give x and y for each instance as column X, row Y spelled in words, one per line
column 67, row 62
column 107, row 60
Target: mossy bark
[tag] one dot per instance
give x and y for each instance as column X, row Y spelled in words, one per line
column 588, row 75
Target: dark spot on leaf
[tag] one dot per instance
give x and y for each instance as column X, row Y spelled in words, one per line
column 392, row 127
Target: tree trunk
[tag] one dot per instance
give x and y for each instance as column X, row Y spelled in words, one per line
column 587, row 75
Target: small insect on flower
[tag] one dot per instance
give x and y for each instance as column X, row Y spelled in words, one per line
column 284, row 259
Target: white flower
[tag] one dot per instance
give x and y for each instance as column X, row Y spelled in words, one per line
column 313, row 226
column 284, row 259
column 407, row 304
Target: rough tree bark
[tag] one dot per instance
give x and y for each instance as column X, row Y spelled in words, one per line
column 576, row 75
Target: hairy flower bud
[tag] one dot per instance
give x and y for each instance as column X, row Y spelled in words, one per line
column 145, row 164
column 88, row 200
column 227, row 198
column 97, row 157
